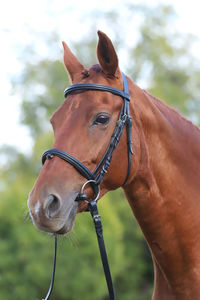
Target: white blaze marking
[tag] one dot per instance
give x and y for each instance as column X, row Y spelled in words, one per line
column 37, row 208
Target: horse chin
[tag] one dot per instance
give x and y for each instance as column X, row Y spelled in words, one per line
column 65, row 229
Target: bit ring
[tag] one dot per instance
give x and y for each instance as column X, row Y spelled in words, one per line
column 84, row 185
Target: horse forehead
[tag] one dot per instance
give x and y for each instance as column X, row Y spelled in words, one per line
column 76, row 106
column 83, row 101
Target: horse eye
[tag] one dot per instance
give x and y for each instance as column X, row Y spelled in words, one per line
column 101, row 119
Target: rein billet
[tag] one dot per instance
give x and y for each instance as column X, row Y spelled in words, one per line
column 94, row 178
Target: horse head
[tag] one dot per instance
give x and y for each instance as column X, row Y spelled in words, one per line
column 83, row 126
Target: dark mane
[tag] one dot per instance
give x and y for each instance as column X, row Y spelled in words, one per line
column 164, row 108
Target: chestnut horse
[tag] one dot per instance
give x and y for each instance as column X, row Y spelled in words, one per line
column 163, row 187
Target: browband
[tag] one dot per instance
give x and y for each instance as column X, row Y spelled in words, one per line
column 96, row 87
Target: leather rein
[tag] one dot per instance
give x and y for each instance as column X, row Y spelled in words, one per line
column 95, row 178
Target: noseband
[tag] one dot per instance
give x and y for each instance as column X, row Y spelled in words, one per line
column 95, row 178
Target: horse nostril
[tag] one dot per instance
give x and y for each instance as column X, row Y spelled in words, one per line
column 52, row 205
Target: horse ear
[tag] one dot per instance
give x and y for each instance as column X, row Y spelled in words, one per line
column 72, row 64
column 107, row 56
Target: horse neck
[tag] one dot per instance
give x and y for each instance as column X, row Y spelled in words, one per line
column 164, row 193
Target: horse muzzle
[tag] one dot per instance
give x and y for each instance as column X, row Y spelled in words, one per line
column 52, row 213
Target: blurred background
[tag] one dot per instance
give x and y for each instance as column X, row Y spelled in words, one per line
column 158, row 44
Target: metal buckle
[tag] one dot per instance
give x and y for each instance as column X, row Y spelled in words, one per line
column 84, row 185
column 97, row 218
column 49, row 156
column 105, row 171
column 124, row 117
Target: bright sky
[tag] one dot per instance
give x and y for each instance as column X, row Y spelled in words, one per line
column 21, row 20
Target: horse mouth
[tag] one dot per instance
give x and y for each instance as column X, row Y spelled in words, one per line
column 70, row 221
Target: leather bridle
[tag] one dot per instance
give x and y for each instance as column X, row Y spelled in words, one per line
column 95, row 178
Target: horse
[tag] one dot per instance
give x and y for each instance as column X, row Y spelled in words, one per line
column 162, row 188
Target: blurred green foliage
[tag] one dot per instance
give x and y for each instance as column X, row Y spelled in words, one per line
column 161, row 60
